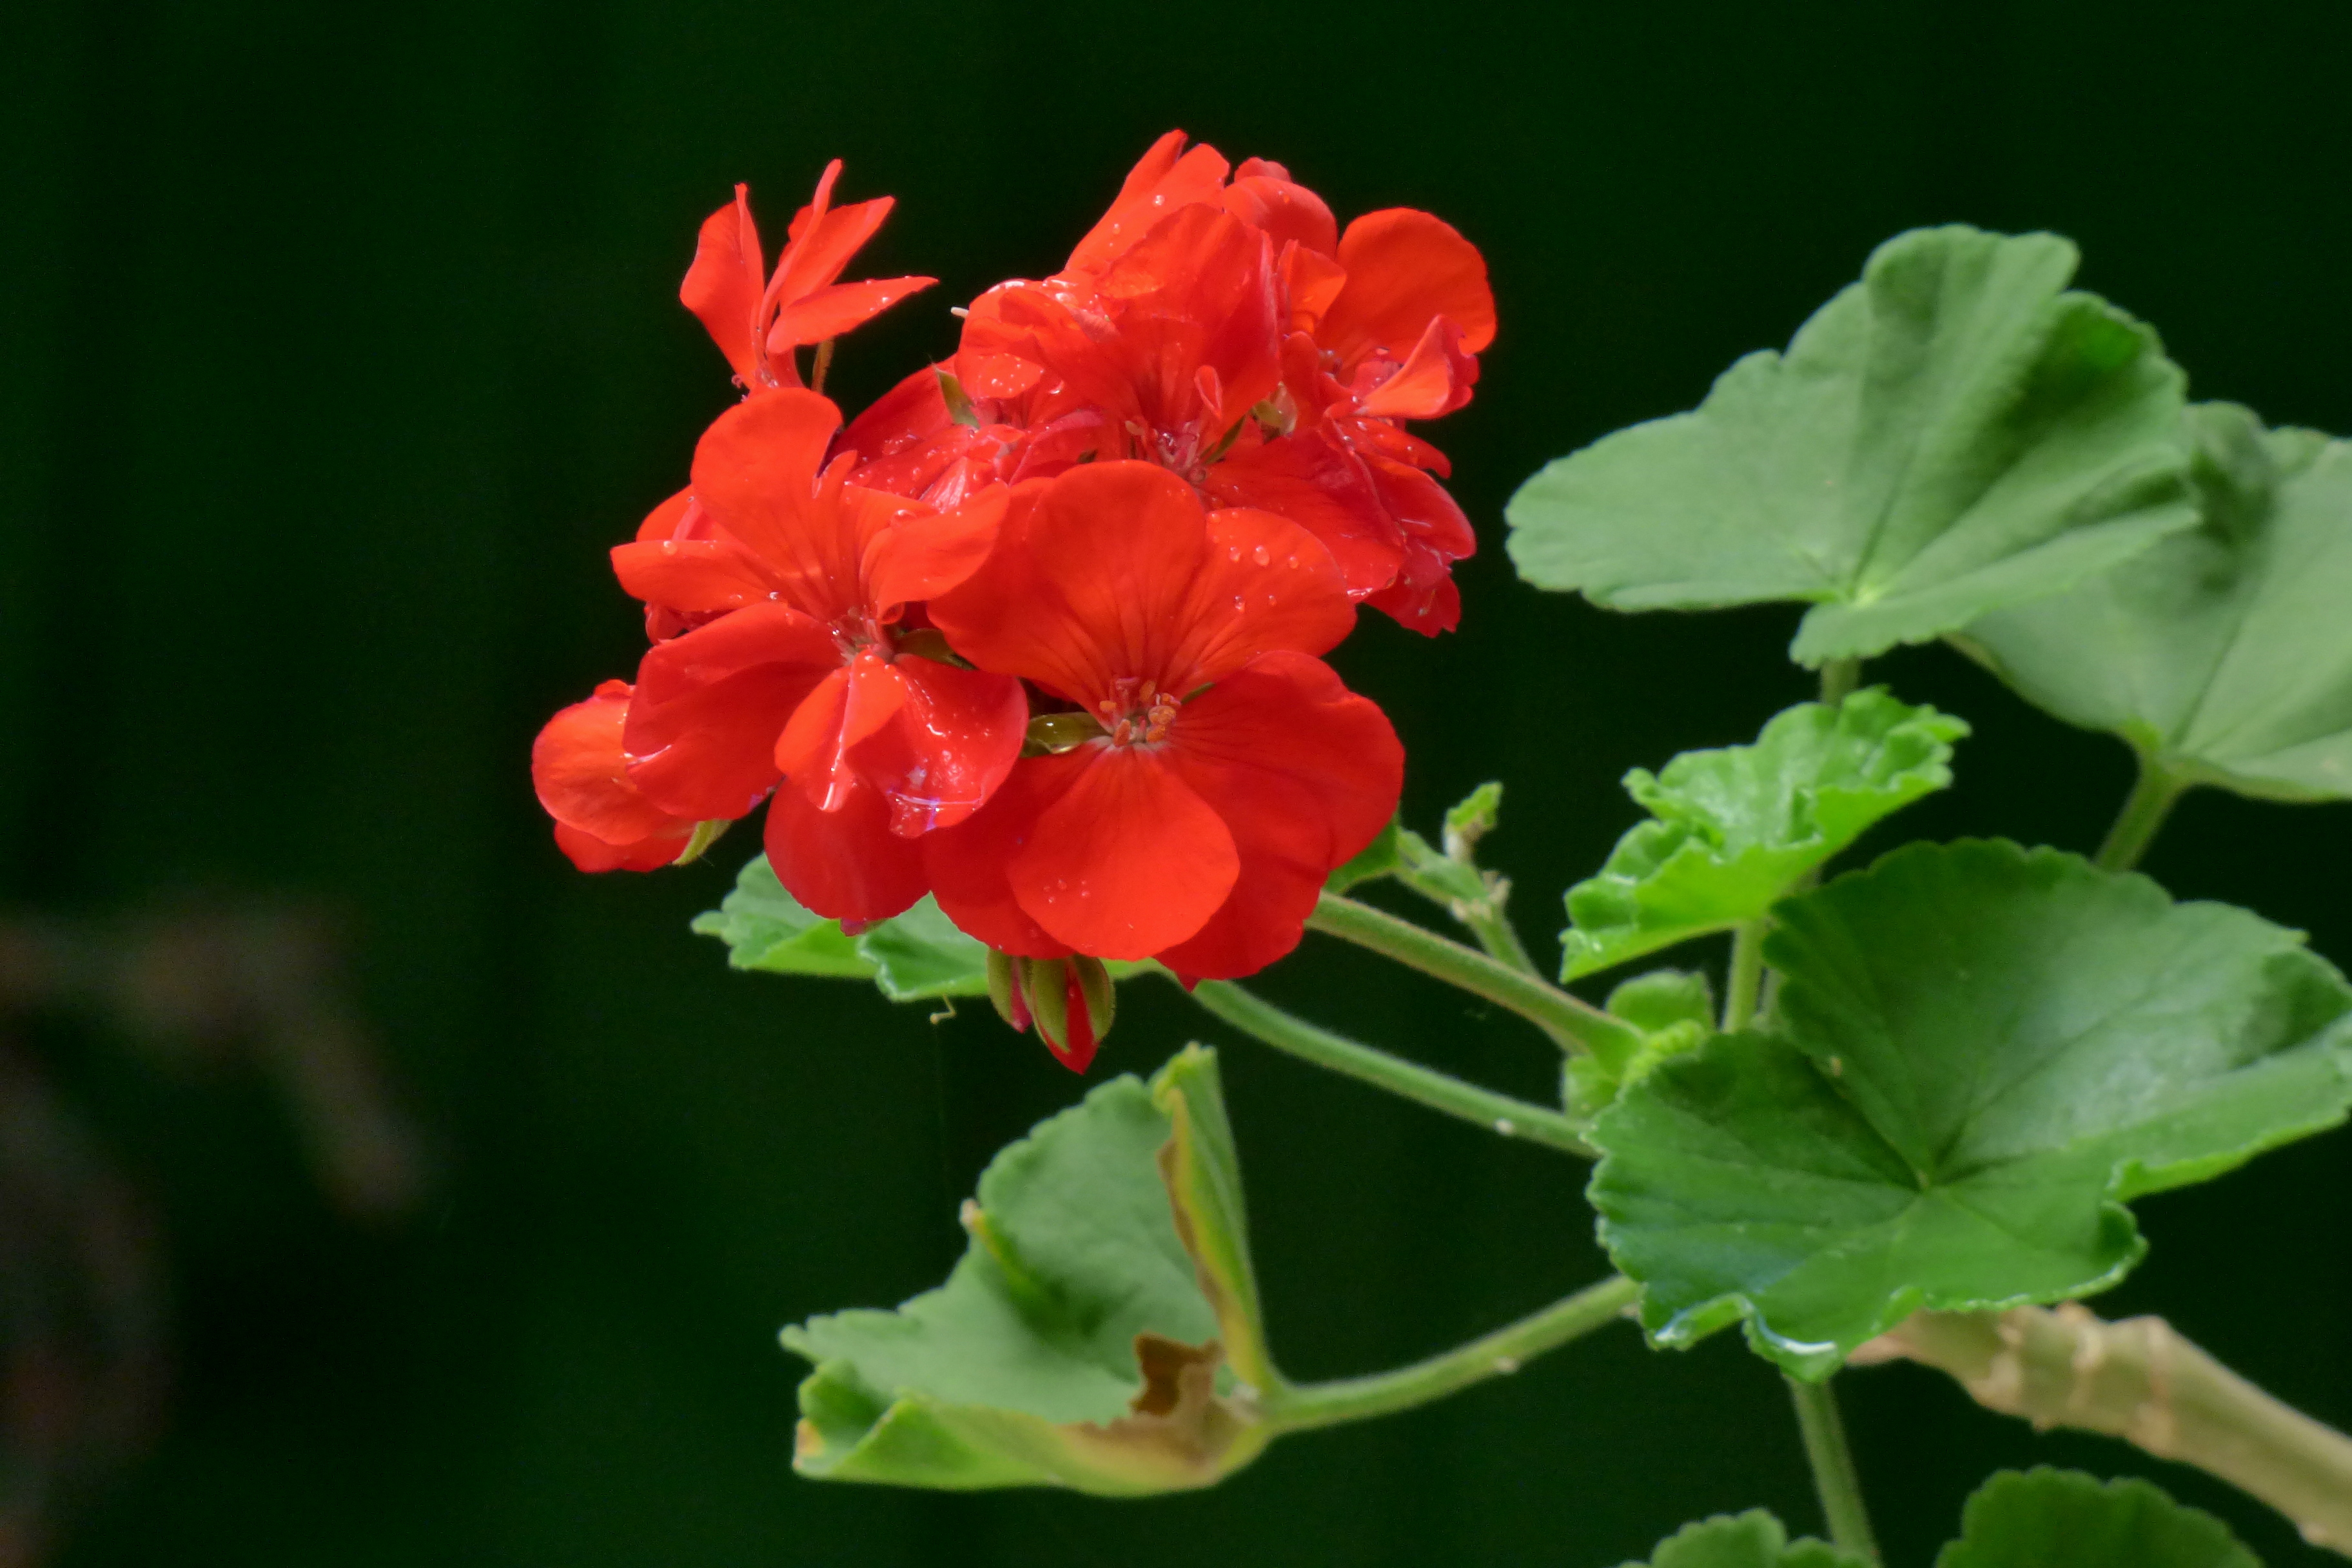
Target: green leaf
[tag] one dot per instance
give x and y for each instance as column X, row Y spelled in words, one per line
column 765, row 927
column 1982, row 1053
column 1955, row 434
column 1073, row 1344
column 2224, row 654
column 1752, row 1540
column 913, row 957
column 2044, row 1519
column 1736, row 828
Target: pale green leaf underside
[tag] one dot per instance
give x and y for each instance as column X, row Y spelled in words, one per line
column 2224, row 654
column 1982, row 1053
column 2045, row 1519
column 1956, row 433
column 912, row 957
column 1734, row 829
column 1752, row 1540
column 1024, row 1368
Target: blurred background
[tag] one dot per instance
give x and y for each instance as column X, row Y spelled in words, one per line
column 376, row 1190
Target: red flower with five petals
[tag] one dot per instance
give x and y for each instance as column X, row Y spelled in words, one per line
column 758, row 320
column 1231, row 771
column 797, row 667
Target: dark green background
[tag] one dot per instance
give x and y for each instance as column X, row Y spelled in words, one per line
column 337, row 343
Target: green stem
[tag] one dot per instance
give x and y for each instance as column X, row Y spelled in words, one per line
column 1834, row 1473
column 1302, row 1406
column 1838, row 678
column 1500, row 1113
column 1747, row 975
column 1567, row 1018
column 2143, row 812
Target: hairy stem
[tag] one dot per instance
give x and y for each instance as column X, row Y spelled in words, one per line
column 2149, row 803
column 2139, row 1381
column 1739, row 988
column 1834, row 1476
column 1302, row 1406
column 1565, row 1017
column 1501, row 1113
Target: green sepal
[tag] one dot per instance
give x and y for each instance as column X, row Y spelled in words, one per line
column 1982, row 1054
column 1752, row 1540
column 2064, row 1519
column 1100, row 1332
column 917, row 957
column 1373, row 861
column 1734, row 829
column 1955, row 434
column 2224, row 654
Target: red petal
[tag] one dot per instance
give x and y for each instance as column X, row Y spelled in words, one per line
column 919, row 558
column 579, row 770
column 1304, row 773
column 844, row 865
column 845, row 707
column 967, row 863
column 677, row 518
column 1435, row 379
column 1320, row 486
column 836, row 307
column 1086, row 582
column 1266, row 583
column 1404, row 268
column 757, row 472
column 695, row 576
column 819, row 250
column 1162, row 182
column 1128, row 861
column 948, row 748
column 701, row 735
column 1283, row 210
column 908, row 414
column 590, row 853
column 722, row 287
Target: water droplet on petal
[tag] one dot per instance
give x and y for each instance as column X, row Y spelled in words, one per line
column 1261, row 555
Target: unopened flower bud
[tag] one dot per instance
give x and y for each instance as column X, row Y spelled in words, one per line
column 1005, row 990
column 1071, row 1002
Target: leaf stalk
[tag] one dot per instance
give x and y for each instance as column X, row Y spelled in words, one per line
column 2144, row 809
column 1303, row 1406
column 1500, row 1113
column 1834, row 1476
column 1575, row 1022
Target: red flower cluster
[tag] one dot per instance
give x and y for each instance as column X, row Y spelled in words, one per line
column 1038, row 632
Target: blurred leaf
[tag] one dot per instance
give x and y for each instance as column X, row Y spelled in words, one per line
column 2044, row 1517
column 1983, row 1053
column 1737, row 827
column 920, row 954
column 1955, row 434
column 1752, row 1540
column 1665, row 998
column 765, row 927
column 2223, row 655
column 1675, row 1010
column 1073, row 1344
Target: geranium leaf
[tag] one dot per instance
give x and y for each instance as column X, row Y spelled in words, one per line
column 2223, row 655
column 1752, row 1540
column 2043, row 1517
column 920, row 954
column 765, row 927
column 1073, row 1344
column 1376, row 859
column 1980, row 1053
column 1957, row 433
column 1732, row 830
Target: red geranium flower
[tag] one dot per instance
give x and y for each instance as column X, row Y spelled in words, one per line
column 758, row 320
column 797, row 667
column 602, row 821
column 1229, row 771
